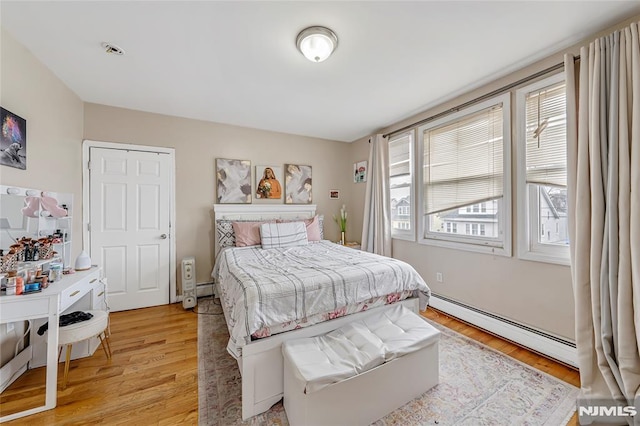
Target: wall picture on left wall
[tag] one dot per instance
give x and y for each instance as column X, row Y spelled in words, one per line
column 13, row 140
column 233, row 181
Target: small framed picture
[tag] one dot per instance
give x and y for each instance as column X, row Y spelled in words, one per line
column 334, row 194
column 360, row 171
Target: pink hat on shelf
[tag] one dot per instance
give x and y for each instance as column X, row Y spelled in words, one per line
column 32, row 206
column 50, row 204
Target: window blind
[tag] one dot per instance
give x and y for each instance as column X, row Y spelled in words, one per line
column 400, row 156
column 463, row 161
column 546, row 136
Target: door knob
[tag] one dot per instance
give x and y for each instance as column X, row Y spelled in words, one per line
column 163, row 236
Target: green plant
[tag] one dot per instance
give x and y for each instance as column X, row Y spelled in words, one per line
column 342, row 220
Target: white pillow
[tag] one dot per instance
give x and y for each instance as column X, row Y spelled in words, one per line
column 289, row 234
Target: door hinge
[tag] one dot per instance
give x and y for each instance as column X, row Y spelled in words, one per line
column 89, row 227
column 89, row 165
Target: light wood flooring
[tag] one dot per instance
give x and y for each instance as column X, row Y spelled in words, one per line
column 153, row 375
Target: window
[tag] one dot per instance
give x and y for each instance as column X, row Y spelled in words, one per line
column 542, row 171
column 465, row 176
column 401, row 186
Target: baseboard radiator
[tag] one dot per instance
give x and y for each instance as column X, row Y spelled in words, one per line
column 204, row 289
column 547, row 344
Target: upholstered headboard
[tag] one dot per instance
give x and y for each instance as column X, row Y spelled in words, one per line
column 259, row 212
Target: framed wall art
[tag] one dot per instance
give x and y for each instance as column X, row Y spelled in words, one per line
column 334, row 194
column 298, row 184
column 13, row 140
column 233, row 181
column 268, row 182
column 360, row 171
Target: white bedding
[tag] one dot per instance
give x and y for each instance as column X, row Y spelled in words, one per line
column 263, row 288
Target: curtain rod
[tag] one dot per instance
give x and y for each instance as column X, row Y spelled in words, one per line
column 483, row 97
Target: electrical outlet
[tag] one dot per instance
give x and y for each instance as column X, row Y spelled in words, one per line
column 439, row 277
column 10, row 327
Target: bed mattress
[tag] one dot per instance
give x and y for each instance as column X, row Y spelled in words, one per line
column 264, row 292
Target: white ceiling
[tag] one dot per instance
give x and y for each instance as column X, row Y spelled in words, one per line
column 236, row 62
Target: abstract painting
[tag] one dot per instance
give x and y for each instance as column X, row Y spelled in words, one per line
column 13, row 140
column 233, row 181
column 298, row 184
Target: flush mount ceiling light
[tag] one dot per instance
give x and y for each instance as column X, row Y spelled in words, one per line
column 112, row 48
column 317, row 43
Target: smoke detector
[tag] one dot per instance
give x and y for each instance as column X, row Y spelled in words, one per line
column 112, row 48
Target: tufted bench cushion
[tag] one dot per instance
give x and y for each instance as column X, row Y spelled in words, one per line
column 358, row 347
column 369, row 366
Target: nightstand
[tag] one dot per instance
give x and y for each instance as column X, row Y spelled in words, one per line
column 353, row 244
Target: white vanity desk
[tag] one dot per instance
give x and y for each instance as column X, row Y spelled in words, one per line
column 49, row 304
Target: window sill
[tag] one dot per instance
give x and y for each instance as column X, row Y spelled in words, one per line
column 544, row 258
column 405, row 237
column 458, row 245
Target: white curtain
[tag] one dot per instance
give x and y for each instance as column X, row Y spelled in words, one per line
column 603, row 155
column 376, row 226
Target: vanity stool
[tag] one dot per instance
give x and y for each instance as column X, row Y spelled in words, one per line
column 73, row 333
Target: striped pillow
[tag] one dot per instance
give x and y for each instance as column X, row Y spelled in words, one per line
column 282, row 235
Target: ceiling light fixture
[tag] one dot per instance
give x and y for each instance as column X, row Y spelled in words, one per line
column 112, row 48
column 317, row 43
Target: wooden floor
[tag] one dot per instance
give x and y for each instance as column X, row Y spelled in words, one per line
column 153, row 378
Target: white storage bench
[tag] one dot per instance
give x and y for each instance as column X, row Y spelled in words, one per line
column 360, row 372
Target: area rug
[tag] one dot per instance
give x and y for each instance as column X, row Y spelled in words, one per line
column 478, row 386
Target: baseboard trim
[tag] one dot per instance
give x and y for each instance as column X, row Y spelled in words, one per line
column 534, row 339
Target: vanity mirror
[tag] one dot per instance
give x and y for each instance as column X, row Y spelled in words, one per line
column 35, row 214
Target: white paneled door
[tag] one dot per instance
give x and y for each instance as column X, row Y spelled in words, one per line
column 129, row 224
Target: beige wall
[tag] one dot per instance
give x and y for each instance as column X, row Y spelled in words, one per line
column 54, row 136
column 533, row 293
column 198, row 144
column 54, row 117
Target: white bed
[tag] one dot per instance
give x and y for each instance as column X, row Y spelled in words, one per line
column 260, row 360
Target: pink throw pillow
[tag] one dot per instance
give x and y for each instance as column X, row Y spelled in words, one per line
column 313, row 227
column 247, row 233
